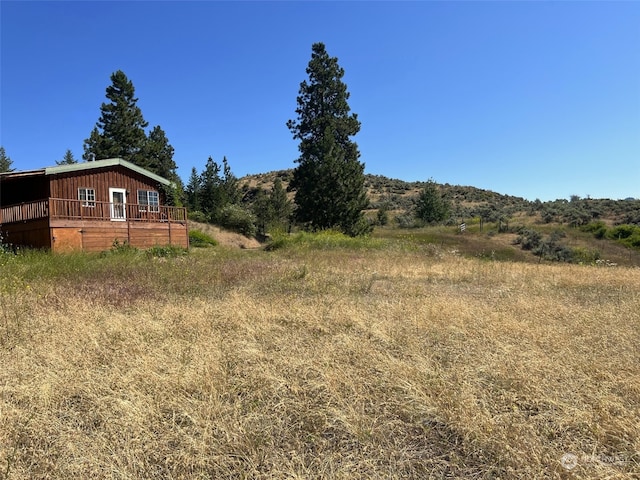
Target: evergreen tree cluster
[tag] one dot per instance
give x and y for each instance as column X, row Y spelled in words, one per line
column 328, row 183
column 212, row 190
column 120, row 133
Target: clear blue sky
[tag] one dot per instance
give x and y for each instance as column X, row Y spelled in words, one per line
column 533, row 99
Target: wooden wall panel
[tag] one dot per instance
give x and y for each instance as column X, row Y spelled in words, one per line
column 34, row 234
column 66, row 239
column 94, row 236
column 97, row 239
column 151, row 235
column 66, row 185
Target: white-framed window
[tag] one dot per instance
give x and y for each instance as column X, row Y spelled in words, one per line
column 148, row 200
column 87, row 196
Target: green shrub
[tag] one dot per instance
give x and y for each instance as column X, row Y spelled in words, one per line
column 548, row 216
column 584, row 255
column 165, row 251
column 122, row 248
column 361, row 228
column 549, row 249
column 197, row 217
column 408, row 221
column 529, row 239
column 600, row 232
column 382, row 216
column 628, row 235
column 200, row 239
column 621, row 232
column 5, row 248
column 238, row 219
column 598, row 229
column 634, row 241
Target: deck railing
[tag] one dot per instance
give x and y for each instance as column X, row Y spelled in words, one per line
column 60, row 208
column 24, row 211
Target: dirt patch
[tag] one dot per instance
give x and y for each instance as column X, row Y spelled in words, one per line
column 225, row 238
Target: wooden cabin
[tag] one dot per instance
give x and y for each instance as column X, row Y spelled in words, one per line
column 89, row 206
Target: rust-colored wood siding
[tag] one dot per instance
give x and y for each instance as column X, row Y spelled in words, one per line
column 97, row 236
column 66, row 185
column 35, row 233
column 147, row 235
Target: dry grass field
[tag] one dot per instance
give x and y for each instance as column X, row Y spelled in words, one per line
column 376, row 360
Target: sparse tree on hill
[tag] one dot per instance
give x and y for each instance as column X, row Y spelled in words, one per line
column 329, row 179
column 431, row 207
column 5, row 161
column 119, row 131
column 68, row 159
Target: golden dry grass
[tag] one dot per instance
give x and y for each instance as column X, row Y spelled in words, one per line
column 340, row 364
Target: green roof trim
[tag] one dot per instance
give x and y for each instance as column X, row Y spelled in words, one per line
column 109, row 162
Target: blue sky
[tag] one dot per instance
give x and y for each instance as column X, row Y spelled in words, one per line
column 533, row 99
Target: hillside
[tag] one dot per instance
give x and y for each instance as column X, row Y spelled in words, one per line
column 398, row 196
column 500, row 227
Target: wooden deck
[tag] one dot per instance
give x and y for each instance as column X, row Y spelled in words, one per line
column 61, row 224
column 57, row 208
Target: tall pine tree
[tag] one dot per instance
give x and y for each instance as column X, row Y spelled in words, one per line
column 329, row 179
column 119, row 132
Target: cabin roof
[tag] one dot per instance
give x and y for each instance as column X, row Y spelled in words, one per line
column 77, row 167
